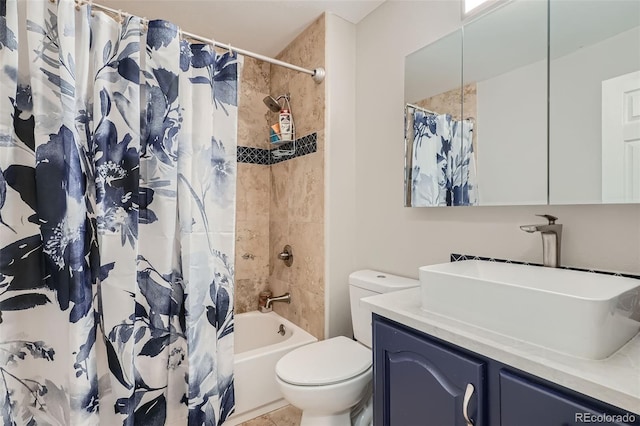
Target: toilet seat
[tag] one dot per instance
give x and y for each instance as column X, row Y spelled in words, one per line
column 326, row 362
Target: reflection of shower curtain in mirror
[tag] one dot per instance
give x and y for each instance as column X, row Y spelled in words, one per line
column 443, row 164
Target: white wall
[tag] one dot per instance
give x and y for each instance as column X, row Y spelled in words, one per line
column 340, row 217
column 511, row 132
column 399, row 240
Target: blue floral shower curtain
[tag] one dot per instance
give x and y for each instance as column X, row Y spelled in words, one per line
column 117, row 216
column 442, row 164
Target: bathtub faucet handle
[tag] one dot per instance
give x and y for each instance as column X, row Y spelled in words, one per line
column 286, row 255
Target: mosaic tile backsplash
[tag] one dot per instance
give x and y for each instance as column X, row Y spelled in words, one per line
column 459, row 257
column 303, row 146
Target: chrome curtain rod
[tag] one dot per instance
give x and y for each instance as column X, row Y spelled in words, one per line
column 317, row 74
column 422, row 109
column 428, row 111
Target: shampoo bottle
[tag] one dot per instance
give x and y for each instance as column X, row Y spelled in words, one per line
column 286, row 125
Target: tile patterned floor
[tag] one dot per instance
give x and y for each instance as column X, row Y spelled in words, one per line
column 286, row 416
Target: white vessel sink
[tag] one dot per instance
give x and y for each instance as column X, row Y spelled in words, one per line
column 582, row 314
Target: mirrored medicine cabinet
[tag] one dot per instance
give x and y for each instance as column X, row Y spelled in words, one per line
column 534, row 102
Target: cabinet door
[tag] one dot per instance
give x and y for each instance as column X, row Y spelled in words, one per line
column 526, row 403
column 419, row 382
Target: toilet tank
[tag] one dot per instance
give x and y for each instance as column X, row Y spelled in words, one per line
column 369, row 283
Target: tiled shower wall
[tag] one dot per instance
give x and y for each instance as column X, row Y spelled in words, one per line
column 283, row 203
column 449, row 102
column 252, row 216
column 297, row 189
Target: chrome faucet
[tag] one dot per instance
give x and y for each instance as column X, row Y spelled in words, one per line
column 268, row 305
column 551, row 238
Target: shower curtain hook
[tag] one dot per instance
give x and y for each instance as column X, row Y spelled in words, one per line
column 145, row 24
column 120, row 16
column 78, row 5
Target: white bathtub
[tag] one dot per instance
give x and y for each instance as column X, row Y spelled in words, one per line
column 258, row 347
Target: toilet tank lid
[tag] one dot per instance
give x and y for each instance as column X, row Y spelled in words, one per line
column 380, row 282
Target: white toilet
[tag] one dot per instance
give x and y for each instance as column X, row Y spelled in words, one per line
column 326, row 379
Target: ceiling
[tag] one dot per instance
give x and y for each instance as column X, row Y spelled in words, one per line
column 261, row 26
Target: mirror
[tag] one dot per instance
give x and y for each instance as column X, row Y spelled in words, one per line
column 505, row 80
column 472, row 142
column 545, row 108
column 433, row 108
column 594, row 124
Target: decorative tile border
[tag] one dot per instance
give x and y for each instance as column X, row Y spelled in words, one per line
column 247, row 154
column 459, row 257
column 305, row 145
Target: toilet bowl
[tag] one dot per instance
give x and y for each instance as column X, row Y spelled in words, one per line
column 325, row 379
column 328, row 378
column 328, row 405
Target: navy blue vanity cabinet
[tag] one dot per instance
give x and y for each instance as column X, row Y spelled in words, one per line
column 527, row 403
column 419, row 383
column 420, row 380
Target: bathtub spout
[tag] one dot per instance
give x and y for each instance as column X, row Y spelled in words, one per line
column 268, row 306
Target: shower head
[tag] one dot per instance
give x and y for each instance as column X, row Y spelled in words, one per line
column 272, row 103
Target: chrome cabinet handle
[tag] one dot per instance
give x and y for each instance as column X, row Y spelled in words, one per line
column 465, row 403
